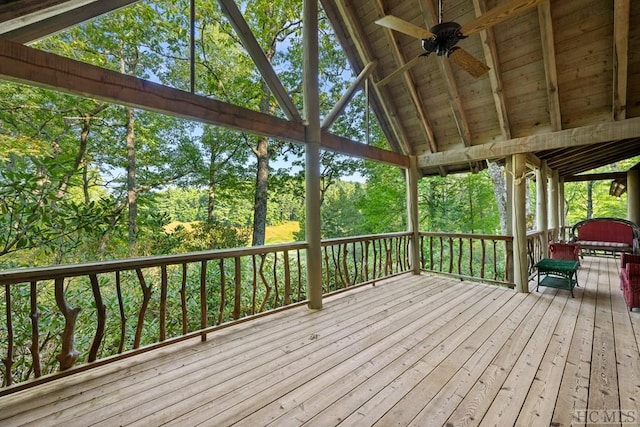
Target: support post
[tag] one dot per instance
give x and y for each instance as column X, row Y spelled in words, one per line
column 312, row 154
column 412, row 213
column 633, row 196
column 520, row 223
column 561, row 212
column 509, row 223
column 541, row 207
column 554, row 217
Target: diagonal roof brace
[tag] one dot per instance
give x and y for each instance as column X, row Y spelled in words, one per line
column 230, row 9
column 348, row 95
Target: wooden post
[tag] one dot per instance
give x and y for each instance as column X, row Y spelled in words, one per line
column 633, row 196
column 541, row 206
column 412, row 214
column 312, row 154
column 561, row 212
column 509, row 224
column 553, row 205
column 520, row 223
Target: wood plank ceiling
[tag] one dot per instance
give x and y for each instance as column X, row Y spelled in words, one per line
column 561, row 65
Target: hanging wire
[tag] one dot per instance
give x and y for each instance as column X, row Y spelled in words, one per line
column 192, row 44
column 440, row 11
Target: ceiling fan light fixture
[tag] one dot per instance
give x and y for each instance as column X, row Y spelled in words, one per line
column 445, row 37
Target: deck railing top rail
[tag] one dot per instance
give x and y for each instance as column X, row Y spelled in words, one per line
column 467, row 235
column 368, row 237
column 21, row 275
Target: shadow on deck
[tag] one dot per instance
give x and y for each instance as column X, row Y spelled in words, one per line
column 412, row 350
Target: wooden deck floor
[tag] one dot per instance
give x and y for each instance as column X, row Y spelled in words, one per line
column 415, row 350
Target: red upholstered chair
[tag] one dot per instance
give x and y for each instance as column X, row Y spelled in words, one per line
column 569, row 251
column 630, row 279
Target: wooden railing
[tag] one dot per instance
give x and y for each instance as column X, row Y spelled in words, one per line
column 81, row 316
column 473, row 256
column 58, row 317
column 363, row 259
column 534, row 250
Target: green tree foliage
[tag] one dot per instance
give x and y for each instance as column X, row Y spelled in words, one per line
column 462, row 203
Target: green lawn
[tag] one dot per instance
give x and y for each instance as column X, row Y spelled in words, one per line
column 282, row 233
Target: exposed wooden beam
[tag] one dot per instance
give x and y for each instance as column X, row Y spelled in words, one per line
column 498, row 14
column 347, row 146
column 252, row 46
column 596, row 177
column 495, row 73
column 358, row 37
column 622, row 9
column 338, row 109
column 586, row 135
column 26, row 29
column 24, row 64
column 409, row 83
column 430, row 15
column 550, row 69
column 14, row 14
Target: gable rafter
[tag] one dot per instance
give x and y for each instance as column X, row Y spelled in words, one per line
column 27, row 21
column 495, row 76
column 357, row 36
column 622, row 10
column 550, row 69
column 408, row 81
column 429, row 13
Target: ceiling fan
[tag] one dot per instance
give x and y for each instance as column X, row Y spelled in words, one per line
column 443, row 37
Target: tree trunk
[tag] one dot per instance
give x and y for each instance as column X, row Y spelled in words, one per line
column 211, row 196
column 132, row 196
column 260, row 200
column 496, row 173
column 262, row 172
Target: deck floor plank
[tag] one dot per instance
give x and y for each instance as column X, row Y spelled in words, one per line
column 340, row 380
column 217, row 371
column 603, row 383
column 145, row 376
column 438, row 409
column 432, row 378
column 574, row 387
column 341, row 351
column 412, row 350
column 477, row 401
column 382, row 391
column 540, row 402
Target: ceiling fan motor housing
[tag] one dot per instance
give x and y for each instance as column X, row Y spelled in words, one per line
column 445, row 37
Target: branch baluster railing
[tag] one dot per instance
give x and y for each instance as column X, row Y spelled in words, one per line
column 81, row 316
column 69, row 316
column 364, row 259
column 74, row 317
column 456, row 254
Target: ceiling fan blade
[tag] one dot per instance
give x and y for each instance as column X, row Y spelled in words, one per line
column 500, row 13
column 402, row 26
column 399, row 71
column 467, row 62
